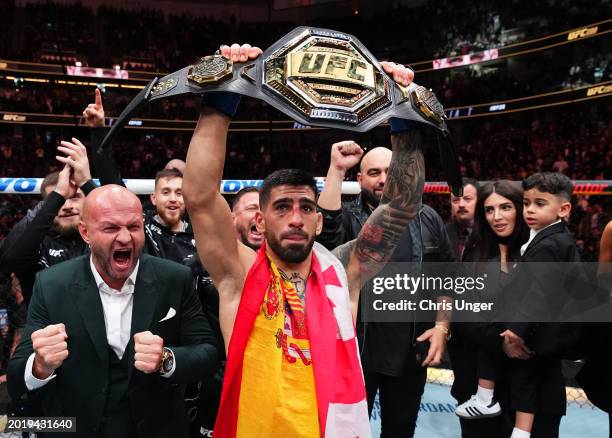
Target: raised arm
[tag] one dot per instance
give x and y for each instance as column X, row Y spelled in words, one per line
column 226, row 260
column 209, row 212
column 21, row 254
column 344, row 156
column 103, row 160
column 400, row 204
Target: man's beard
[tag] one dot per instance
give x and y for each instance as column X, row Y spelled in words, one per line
column 66, row 231
column 370, row 198
column 104, row 261
column 170, row 221
column 294, row 253
column 463, row 220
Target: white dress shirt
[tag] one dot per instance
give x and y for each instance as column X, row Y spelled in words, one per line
column 117, row 306
column 532, row 234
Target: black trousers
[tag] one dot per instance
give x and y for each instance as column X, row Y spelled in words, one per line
column 202, row 401
column 546, row 426
column 484, row 428
column 489, row 365
column 400, row 399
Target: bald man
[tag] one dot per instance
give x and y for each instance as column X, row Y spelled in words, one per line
column 111, row 337
column 394, row 355
column 342, row 223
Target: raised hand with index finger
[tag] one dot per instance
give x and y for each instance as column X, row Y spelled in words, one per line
column 93, row 115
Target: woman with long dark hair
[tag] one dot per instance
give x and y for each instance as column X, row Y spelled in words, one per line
column 499, row 229
column 498, row 233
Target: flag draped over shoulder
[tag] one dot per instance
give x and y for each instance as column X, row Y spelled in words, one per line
column 272, row 374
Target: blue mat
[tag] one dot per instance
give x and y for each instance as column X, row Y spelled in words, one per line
column 438, row 420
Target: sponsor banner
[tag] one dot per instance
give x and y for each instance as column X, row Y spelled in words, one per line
column 472, row 58
column 97, row 72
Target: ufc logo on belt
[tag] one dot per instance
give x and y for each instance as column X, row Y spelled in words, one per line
column 331, row 65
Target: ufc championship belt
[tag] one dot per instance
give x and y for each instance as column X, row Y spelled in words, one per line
column 317, row 77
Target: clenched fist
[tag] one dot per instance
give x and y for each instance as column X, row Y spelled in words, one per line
column 345, row 155
column 50, row 350
column 149, row 349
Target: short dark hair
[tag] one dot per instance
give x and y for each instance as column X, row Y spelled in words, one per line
column 243, row 191
column 168, row 173
column 469, row 182
column 50, row 180
column 285, row 177
column 550, row 182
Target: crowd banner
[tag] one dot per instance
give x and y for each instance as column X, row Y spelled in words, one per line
column 31, row 186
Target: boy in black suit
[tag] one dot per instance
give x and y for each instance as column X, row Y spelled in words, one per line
column 538, row 294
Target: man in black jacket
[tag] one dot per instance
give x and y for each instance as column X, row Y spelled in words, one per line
column 394, row 355
column 168, row 234
column 48, row 234
column 462, row 216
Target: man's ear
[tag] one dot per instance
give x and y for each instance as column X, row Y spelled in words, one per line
column 153, row 199
column 319, row 223
column 84, row 232
column 260, row 223
column 359, row 177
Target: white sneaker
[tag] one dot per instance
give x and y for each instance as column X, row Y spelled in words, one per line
column 473, row 409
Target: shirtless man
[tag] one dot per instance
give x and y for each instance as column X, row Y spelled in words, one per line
column 287, row 312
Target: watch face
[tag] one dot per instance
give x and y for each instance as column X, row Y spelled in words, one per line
column 168, row 363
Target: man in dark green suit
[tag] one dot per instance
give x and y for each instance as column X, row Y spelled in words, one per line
column 111, row 338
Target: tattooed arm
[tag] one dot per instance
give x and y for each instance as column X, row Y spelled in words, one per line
column 400, row 204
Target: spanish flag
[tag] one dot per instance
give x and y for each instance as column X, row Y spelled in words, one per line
column 286, row 379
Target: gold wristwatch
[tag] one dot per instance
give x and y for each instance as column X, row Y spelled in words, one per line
column 167, row 361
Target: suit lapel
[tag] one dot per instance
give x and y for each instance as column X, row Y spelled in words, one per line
column 86, row 297
column 556, row 228
column 145, row 301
